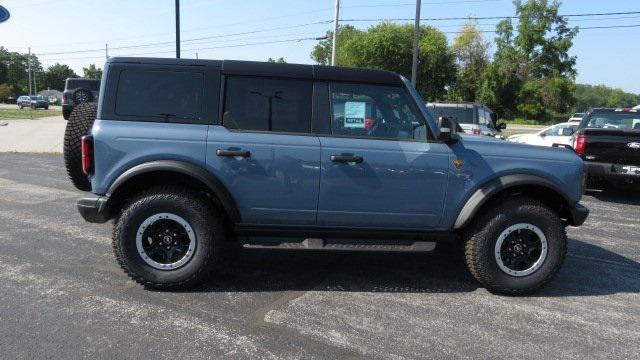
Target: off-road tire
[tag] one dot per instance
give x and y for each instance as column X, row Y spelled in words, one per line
column 194, row 208
column 79, row 124
column 66, row 114
column 82, row 96
column 483, row 233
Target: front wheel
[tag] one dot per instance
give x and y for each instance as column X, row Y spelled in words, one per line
column 517, row 247
column 168, row 238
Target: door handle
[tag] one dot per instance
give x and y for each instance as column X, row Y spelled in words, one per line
column 233, row 153
column 346, row 159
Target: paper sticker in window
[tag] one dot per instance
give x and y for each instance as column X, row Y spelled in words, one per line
column 354, row 113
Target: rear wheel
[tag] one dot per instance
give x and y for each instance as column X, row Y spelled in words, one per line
column 517, row 247
column 168, row 238
column 79, row 125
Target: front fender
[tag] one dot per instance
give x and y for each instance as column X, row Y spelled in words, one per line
column 492, row 187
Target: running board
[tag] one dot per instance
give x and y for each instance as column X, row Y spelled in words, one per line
column 338, row 244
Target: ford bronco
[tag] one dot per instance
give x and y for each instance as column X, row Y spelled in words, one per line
column 184, row 155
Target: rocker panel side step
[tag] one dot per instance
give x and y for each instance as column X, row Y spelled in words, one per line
column 338, row 244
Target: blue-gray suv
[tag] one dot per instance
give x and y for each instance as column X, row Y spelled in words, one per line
column 186, row 155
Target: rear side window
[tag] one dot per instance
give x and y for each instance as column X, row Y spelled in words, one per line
column 162, row 95
column 266, row 104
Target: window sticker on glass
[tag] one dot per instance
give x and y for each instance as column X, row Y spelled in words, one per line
column 354, row 114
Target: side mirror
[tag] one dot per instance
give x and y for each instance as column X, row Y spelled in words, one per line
column 448, row 130
column 502, row 126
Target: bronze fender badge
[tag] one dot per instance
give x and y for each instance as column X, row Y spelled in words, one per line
column 458, row 163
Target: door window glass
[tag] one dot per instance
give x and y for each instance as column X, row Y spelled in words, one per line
column 265, row 104
column 164, row 95
column 375, row 111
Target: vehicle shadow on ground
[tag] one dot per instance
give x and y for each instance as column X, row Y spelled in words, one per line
column 617, row 196
column 590, row 270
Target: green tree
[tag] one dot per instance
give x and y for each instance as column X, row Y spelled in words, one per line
column 389, row 46
column 55, row 76
column 472, row 56
column 279, row 60
column 534, row 63
column 590, row 96
column 5, row 92
column 321, row 53
column 92, row 72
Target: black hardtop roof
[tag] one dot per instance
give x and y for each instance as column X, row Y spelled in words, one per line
column 257, row 68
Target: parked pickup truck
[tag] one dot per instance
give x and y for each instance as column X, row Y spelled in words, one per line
column 608, row 140
column 185, row 155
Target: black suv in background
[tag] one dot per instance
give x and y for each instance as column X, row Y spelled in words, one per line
column 78, row 91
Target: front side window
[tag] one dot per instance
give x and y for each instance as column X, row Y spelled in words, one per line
column 375, row 111
column 160, row 95
column 266, row 104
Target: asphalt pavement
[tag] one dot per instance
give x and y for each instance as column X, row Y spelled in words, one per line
column 63, row 296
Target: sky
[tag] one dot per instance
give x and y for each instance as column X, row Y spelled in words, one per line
column 234, row 29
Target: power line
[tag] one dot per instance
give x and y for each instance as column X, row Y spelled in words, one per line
column 424, row 2
column 187, row 40
column 193, row 49
column 486, row 17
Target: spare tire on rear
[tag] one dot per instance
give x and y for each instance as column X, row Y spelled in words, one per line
column 81, row 96
column 79, row 124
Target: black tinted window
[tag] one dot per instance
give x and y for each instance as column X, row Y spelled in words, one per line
column 268, row 104
column 159, row 94
column 86, row 84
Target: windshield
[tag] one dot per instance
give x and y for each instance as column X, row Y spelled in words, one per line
column 460, row 114
column 622, row 121
column 37, row 97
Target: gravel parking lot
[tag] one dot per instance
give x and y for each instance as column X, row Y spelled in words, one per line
column 63, row 295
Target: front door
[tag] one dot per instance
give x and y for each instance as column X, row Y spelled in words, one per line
column 378, row 168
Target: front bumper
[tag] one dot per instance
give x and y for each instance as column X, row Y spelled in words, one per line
column 94, row 209
column 579, row 214
column 608, row 170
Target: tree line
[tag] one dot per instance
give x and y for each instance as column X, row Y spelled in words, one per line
column 530, row 74
column 14, row 75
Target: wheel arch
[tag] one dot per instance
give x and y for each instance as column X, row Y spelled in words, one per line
column 170, row 172
column 512, row 185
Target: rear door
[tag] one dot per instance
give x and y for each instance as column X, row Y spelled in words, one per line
column 379, row 170
column 263, row 150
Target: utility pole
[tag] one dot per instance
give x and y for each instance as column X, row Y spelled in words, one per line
column 196, row 55
column 416, row 43
column 177, row 29
column 29, row 70
column 335, row 34
column 106, row 51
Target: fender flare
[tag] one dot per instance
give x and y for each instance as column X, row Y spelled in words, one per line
column 210, row 180
column 486, row 191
